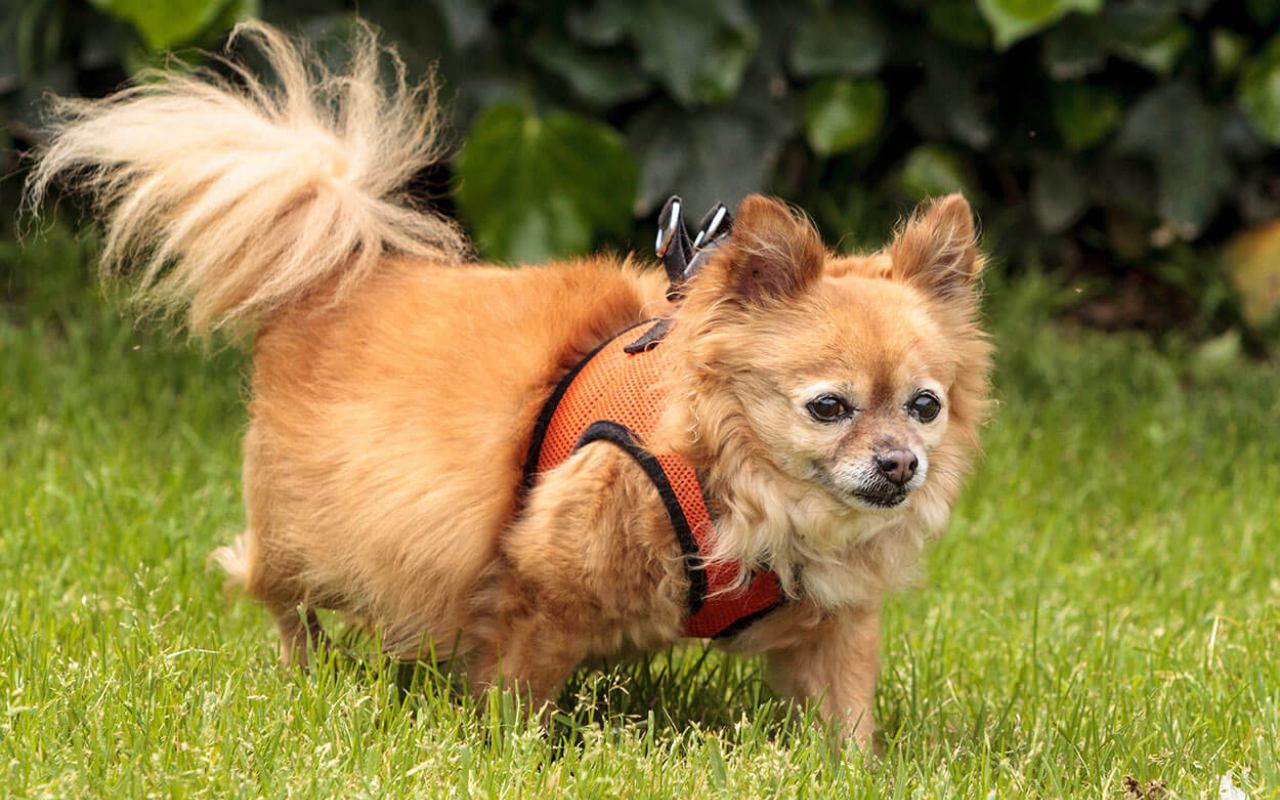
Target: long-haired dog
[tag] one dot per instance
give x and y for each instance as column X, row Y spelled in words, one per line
column 829, row 405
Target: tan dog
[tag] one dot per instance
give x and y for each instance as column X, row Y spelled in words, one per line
column 830, row 404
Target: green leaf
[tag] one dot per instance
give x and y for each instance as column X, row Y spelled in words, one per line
column 1151, row 34
column 1013, row 20
column 716, row 155
column 1228, row 50
column 232, row 13
column 1126, row 184
column 1258, row 92
column 1160, row 52
column 957, row 21
column 1179, row 134
column 466, row 20
column 601, row 79
column 1138, row 21
column 1059, row 194
column 838, row 43
column 840, row 114
column 699, row 51
column 1076, row 48
column 932, row 170
column 537, row 188
column 165, row 23
column 601, row 24
column 31, row 38
column 1084, row 114
column 948, row 105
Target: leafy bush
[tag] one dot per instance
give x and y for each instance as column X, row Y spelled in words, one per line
column 1122, row 145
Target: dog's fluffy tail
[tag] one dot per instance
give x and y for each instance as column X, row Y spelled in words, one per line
column 234, row 197
column 235, row 560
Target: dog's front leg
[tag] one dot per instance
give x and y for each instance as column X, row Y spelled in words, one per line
column 835, row 667
column 532, row 655
column 590, row 558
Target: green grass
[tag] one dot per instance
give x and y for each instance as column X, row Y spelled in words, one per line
column 1106, row 605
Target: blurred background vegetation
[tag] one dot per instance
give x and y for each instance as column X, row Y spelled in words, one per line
column 1128, row 150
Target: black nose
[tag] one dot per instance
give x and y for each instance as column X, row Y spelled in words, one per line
column 899, row 466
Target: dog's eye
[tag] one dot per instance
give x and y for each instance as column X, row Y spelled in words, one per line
column 828, row 408
column 925, row 406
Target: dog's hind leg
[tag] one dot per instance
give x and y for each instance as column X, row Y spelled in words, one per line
column 300, row 629
column 301, row 634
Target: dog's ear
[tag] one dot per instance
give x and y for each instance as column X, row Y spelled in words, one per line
column 937, row 250
column 773, row 254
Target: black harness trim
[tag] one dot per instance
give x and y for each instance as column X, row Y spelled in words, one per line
column 650, row 338
column 742, row 623
column 606, row 430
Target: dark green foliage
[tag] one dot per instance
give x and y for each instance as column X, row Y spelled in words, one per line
column 1012, row 20
column 532, row 188
column 1259, row 91
column 1121, row 144
column 837, row 42
column 840, row 114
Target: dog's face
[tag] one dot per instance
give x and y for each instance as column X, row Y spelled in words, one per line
column 851, row 392
column 862, row 377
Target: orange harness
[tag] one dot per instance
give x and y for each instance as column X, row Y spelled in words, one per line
column 615, row 395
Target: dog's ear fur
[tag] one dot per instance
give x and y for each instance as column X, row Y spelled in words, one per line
column 937, row 250
column 773, row 255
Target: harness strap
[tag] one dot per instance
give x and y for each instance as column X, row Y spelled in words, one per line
column 606, row 430
column 614, row 395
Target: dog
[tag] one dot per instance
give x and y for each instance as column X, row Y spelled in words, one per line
column 828, row 405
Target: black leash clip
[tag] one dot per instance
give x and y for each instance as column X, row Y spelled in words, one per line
column 681, row 256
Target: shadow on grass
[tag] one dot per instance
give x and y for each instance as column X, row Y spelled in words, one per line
column 689, row 690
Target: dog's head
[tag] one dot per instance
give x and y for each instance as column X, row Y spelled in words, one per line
column 860, row 380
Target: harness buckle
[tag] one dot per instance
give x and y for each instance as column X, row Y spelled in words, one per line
column 681, row 256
